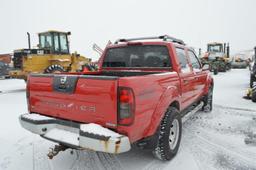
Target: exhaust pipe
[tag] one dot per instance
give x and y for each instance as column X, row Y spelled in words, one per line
column 228, row 50
column 254, row 57
column 29, row 45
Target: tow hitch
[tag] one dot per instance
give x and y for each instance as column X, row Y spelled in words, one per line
column 54, row 151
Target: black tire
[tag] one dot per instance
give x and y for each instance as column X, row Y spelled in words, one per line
column 254, row 94
column 252, row 79
column 165, row 148
column 207, row 107
column 54, row 68
column 225, row 69
column 215, row 71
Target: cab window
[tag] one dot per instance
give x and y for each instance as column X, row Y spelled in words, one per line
column 183, row 60
column 42, row 41
column 64, row 43
column 48, row 41
column 56, row 43
column 194, row 60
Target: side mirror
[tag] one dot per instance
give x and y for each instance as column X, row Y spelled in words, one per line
column 206, row 67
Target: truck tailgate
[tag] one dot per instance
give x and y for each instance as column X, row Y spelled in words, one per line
column 87, row 99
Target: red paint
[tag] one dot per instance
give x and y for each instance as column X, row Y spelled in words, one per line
column 151, row 94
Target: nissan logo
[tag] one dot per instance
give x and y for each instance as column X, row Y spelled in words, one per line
column 63, row 80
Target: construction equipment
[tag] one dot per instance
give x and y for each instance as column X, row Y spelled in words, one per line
column 94, row 65
column 217, row 56
column 239, row 62
column 251, row 92
column 52, row 55
column 4, row 70
column 253, row 70
column 6, row 58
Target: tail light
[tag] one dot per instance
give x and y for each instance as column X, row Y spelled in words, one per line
column 28, row 93
column 126, row 107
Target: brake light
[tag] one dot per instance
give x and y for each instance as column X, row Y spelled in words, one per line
column 28, row 93
column 126, row 107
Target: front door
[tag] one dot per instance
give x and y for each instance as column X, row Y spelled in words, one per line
column 187, row 78
column 199, row 75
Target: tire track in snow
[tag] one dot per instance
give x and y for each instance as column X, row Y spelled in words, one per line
column 221, row 155
column 109, row 161
column 227, row 145
column 95, row 161
column 234, row 108
column 85, row 160
column 40, row 159
column 12, row 91
column 208, row 152
column 220, row 150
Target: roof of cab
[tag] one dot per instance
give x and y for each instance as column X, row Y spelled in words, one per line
column 54, row 31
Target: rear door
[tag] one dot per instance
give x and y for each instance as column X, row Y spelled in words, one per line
column 88, row 99
column 200, row 76
column 186, row 76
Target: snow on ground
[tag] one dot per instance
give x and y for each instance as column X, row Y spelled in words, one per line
column 210, row 140
column 230, row 87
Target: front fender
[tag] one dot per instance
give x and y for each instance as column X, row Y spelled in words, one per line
column 209, row 82
column 170, row 95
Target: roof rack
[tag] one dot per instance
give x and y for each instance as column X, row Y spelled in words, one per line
column 162, row 37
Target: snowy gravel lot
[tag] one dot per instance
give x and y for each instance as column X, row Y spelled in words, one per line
column 210, row 140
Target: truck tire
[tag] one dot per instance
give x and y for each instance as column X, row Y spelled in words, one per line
column 169, row 135
column 252, row 79
column 254, row 94
column 225, row 69
column 207, row 107
column 215, row 71
column 54, row 69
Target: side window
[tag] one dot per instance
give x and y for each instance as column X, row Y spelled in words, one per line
column 183, row 60
column 56, row 42
column 194, row 60
column 42, row 41
column 63, row 43
column 48, row 42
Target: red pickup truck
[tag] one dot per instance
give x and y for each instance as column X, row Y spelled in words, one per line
column 143, row 87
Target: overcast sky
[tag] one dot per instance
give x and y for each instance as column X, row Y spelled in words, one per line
column 195, row 21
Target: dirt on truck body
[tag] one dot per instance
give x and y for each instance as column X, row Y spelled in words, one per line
column 138, row 96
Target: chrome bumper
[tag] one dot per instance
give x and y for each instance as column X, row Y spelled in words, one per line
column 80, row 136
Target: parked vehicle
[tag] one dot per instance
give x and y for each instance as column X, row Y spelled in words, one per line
column 6, row 58
column 52, row 55
column 4, row 70
column 253, row 71
column 138, row 96
column 217, row 56
column 239, row 63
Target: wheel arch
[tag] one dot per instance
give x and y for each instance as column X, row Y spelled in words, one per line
column 170, row 97
column 175, row 104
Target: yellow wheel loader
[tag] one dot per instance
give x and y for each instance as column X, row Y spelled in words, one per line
column 52, row 55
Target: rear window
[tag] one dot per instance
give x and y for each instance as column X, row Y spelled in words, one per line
column 137, row 56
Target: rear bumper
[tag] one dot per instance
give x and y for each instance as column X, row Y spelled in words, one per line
column 79, row 136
